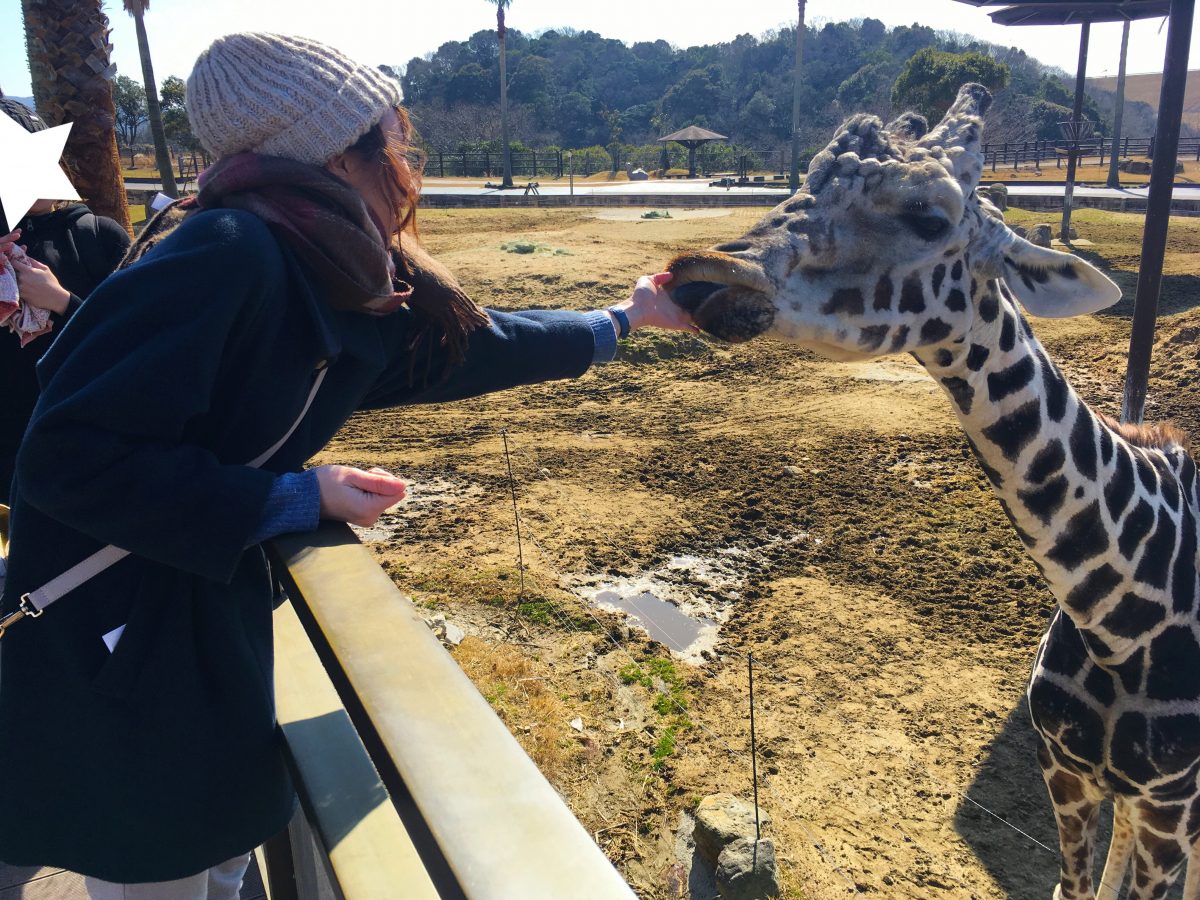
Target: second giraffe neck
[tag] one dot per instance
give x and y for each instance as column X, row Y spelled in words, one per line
column 1110, row 524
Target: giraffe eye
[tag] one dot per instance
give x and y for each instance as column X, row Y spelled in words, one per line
column 923, row 221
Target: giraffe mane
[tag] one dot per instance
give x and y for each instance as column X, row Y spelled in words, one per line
column 1158, row 436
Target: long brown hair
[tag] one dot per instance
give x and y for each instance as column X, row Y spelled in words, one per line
column 399, row 170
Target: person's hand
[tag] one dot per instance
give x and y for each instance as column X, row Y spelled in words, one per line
column 651, row 306
column 8, row 241
column 39, row 287
column 358, row 497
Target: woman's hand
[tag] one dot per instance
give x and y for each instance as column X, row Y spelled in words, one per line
column 651, row 306
column 358, row 497
column 39, row 287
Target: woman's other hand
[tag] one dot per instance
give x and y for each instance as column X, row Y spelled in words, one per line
column 8, row 241
column 651, row 307
column 39, row 287
column 355, row 496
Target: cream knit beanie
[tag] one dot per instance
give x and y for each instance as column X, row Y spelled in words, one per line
column 283, row 96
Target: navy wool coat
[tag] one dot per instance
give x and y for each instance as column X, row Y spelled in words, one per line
column 163, row 758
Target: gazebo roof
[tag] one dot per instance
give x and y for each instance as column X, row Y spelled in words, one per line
column 693, row 133
column 1072, row 12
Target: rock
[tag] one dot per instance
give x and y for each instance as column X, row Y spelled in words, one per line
column 722, row 819
column 446, row 632
column 454, row 635
column 792, row 470
column 1072, row 234
column 577, row 723
column 1019, row 230
column 1040, row 235
column 746, row 871
column 998, row 194
column 1143, row 166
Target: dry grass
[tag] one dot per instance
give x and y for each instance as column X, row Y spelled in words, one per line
column 1090, row 172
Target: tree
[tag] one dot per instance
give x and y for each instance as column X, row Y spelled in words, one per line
column 137, row 9
column 176, row 124
column 506, row 181
column 130, row 100
column 930, row 79
column 470, row 84
column 67, row 42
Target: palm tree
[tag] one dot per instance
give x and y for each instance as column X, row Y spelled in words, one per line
column 137, row 9
column 794, row 182
column 1114, row 179
column 506, row 181
column 69, row 62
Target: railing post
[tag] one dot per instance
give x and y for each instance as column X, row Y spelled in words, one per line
column 534, row 173
column 441, row 164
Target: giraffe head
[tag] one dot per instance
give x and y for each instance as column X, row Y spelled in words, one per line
column 886, row 248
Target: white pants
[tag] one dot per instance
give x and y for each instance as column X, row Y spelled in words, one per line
column 221, row 882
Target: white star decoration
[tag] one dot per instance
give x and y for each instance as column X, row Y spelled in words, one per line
column 29, row 169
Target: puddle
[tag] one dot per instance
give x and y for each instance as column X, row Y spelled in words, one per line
column 661, row 620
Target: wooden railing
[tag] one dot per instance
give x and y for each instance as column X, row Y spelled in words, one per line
column 410, row 785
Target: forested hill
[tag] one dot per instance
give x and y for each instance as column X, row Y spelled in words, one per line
column 575, row 89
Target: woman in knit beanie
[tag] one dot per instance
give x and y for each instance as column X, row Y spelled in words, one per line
column 179, row 407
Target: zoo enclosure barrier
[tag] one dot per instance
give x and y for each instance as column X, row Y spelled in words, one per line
column 1016, row 153
column 554, row 163
column 409, row 783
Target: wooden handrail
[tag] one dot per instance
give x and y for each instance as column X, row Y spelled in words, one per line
column 485, row 822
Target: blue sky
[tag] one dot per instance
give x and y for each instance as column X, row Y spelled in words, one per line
column 394, row 31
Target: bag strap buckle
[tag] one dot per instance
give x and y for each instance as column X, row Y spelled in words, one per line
column 26, row 610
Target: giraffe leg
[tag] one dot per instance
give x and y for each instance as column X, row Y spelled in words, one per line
column 1119, row 851
column 1076, row 803
column 1156, row 864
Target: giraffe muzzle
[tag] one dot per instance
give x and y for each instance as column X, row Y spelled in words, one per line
column 727, row 297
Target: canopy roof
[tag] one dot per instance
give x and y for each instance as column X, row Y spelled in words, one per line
column 1072, row 12
column 693, row 133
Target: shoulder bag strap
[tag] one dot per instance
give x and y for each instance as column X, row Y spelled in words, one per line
column 35, row 602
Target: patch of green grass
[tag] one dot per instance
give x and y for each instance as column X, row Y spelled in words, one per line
column 657, row 214
column 529, row 247
column 665, row 746
column 660, row 677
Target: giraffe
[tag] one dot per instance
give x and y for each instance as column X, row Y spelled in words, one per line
column 887, row 248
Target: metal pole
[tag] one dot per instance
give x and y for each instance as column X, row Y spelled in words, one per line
column 571, row 162
column 753, row 749
column 1158, row 209
column 794, row 181
column 1073, row 148
column 1114, row 177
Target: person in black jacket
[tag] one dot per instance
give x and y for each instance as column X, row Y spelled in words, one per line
column 70, row 251
column 138, row 709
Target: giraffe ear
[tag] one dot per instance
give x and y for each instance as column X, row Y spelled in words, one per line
column 1053, row 284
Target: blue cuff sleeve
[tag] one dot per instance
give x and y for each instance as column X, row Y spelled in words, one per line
column 605, row 334
column 294, row 504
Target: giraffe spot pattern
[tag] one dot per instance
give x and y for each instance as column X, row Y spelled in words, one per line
column 1054, row 387
column 1016, row 429
column 845, row 300
column 1167, row 482
column 1106, row 444
column 1183, row 573
column 1119, row 490
column 1133, row 616
column 1048, row 461
column 1156, row 559
column 912, row 295
column 1173, row 674
column 939, row 275
column 934, row 330
column 1100, row 685
column 1074, row 724
column 1145, row 471
column 871, row 337
column 1008, row 333
column 956, row 301
column 944, row 358
column 962, row 393
column 977, row 356
column 992, row 475
column 989, row 306
column 1161, row 817
column 1131, row 671
column 1008, row 381
column 1137, row 526
column 1043, row 502
column 1131, row 735
column 956, row 273
column 1084, row 537
column 1098, row 584
column 1083, row 443
column 883, row 292
column 899, row 338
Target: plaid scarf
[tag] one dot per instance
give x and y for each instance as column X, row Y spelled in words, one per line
column 327, row 224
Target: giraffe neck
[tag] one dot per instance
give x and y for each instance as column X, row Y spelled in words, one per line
column 1110, row 524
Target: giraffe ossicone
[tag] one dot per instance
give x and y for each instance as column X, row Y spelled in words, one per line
column 887, row 248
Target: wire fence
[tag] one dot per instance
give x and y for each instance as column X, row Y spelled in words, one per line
column 1098, row 150
column 668, row 160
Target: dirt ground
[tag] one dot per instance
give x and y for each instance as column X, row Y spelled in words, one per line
column 828, row 517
